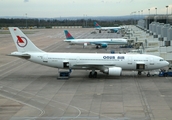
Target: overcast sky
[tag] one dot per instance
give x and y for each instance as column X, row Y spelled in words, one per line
column 68, row 8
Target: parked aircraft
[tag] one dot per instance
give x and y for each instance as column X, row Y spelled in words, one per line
column 112, row 29
column 103, row 42
column 111, row 64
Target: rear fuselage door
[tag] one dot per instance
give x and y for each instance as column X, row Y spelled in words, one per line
column 45, row 58
column 130, row 61
column 78, row 60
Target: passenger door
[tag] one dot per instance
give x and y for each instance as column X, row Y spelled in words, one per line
column 45, row 58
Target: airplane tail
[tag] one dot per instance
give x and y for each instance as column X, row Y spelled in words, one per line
column 68, row 35
column 22, row 42
column 96, row 25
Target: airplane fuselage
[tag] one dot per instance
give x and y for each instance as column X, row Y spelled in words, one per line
column 108, row 28
column 112, row 41
column 99, row 61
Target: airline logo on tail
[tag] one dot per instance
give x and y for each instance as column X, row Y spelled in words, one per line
column 68, row 35
column 96, row 25
column 21, row 41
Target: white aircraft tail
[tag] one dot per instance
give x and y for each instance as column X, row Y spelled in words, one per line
column 22, row 42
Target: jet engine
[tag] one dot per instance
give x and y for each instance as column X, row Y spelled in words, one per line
column 115, row 71
column 85, row 44
column 104, row 45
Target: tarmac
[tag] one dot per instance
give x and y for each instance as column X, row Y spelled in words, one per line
column 34, row 92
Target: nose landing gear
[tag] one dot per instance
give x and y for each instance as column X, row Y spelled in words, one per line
column 148, row 74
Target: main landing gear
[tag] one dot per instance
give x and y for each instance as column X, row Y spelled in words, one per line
column 93, row 74
column 140, row 72
column 148, row 74
column 97, row 47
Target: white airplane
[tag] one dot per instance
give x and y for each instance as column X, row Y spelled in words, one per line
column 98, row 42
column 111, row 64
column 112, row 29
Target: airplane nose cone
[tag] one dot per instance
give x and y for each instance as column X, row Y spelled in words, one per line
column 167, row 63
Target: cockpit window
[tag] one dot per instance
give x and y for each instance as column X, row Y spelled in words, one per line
column 161, row 60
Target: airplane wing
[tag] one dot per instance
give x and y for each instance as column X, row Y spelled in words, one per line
column 98, row 43
column 95, row 43
column 114, row 30
column 103, row 45
column 95, row 65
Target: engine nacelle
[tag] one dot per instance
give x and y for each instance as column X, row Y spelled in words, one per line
column 115, row 71
column 115, row 30
column 104, row 45
column 85, row 44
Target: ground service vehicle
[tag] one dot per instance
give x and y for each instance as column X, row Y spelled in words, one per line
column 164, row 73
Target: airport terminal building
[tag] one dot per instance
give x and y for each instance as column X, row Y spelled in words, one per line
column 154, row 33
column 165, row 19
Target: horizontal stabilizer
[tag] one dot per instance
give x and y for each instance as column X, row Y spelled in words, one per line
column 17, row 54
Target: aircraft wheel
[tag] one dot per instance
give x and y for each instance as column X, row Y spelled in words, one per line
column 139, row 72
column 93, row 75
column 90, row 75
column 148, row 75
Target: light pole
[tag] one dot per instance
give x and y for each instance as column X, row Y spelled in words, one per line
column 167, row 9
column 148, row 18
column 155, row 11
column 86, row 21
column 142, row 13
column 166, row 14
column 134, row 18
column 149, row 11
column 131, row 17
column 26, row 20
column 139, row 15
